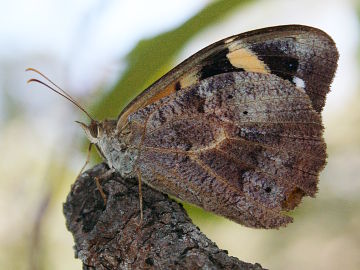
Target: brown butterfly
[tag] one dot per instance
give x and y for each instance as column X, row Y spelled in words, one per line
column 235, row 129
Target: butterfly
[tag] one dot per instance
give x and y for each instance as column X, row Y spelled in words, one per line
column 235, row 129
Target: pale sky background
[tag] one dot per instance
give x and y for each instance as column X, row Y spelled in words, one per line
column 81, row 45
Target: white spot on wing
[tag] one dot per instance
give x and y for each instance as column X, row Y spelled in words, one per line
column 300, row 83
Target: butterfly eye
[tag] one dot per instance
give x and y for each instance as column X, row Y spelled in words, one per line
column 94, row 129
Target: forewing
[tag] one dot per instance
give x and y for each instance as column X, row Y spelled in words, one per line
column 247, row 146
column 305, row 56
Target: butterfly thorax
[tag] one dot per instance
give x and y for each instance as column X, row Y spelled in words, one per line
column 117, row 149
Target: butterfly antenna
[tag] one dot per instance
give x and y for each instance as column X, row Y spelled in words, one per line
column 60, row 91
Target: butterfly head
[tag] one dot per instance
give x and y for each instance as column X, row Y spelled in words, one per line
column 97, row 132
column 93, row 131
column 112, row 145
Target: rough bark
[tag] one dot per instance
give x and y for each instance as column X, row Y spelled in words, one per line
column 109, row 237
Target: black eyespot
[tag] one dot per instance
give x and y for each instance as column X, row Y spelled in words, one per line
column 149, row 261
column 268, row 189
column 293, row 64
column 245, row 112
column 230, row 96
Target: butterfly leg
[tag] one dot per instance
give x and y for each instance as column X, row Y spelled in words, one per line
column 104, row 176
column 140, row 199
column 86, row 162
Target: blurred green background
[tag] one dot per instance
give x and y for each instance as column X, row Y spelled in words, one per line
column 105, row 53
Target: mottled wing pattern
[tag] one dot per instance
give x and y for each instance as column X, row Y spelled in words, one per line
column 247, row 146
column 236, row 128
column 305, row 56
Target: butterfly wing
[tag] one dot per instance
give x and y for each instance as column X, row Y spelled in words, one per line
column 305, row 56
column 247, row 146
column 236, row 128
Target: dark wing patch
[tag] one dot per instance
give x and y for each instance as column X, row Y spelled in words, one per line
column 217, row 63
column 283, row 66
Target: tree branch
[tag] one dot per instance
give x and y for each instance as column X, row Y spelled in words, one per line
column 108, row 237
